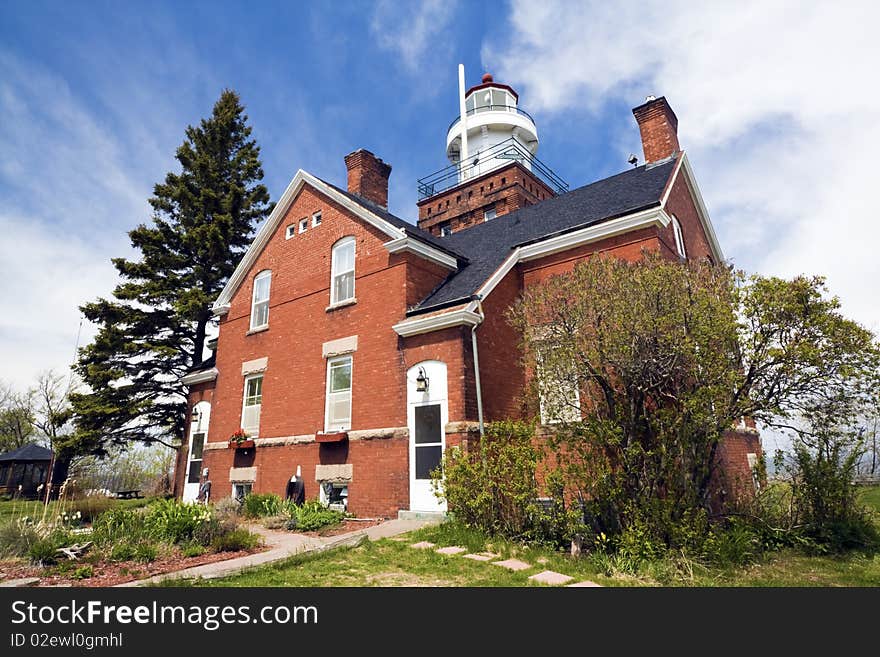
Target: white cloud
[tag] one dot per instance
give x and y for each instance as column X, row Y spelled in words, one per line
column 414, row 30
column 777, row 107
column 71, row 190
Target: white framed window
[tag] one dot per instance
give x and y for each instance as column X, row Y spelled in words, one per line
column 260, row 301
column 334, row 495
column 303, row 225
column 241, row 489
column 679, row 237
column 316, row 219
column 558, row 394
column 338, row 406
column 489, row 213
column 290, row 231
column 342, row 271
column 252, row 404
column 445, row 229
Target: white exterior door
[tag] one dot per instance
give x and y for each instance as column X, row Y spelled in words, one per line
column 198, row 436
column 427, row 415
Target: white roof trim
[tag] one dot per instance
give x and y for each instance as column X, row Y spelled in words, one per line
column 436, row 256
column 703, row 213
column 202, row 376
column 221, row 305
column 417, row 325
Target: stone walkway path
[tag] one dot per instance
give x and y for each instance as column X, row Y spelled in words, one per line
column 283, row 545
column 548, row 577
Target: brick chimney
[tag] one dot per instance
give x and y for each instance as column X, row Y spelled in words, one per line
column 659, row 127
column 368, row 176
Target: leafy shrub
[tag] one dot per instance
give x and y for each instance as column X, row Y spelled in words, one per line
column 492, row 486
column 123, row 551
column 237, row 539
column 83, row 572
column 16, row 538
column 735, row 545
column 45, row 550
column 313, row 515
column 145, row 551
column 175, row 521
column 257, row 505
column 192, row 550
column 119, row 524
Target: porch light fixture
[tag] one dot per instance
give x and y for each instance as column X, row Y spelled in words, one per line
column 422, row 381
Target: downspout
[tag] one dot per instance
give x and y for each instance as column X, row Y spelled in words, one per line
column 478, row 298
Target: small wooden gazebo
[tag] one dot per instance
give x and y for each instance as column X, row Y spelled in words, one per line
column 28, row 467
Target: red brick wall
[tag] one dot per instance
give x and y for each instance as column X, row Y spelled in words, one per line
column 509, row 188
column 501, row 372
column 380, row 471
column 294, row 382
column 681, row 204
column 736, row 475
column 451, row 347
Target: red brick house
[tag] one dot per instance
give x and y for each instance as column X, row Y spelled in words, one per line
column 354, row 346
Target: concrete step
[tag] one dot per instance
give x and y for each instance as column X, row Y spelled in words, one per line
column 436, row 516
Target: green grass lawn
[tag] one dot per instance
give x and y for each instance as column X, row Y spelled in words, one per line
column 394, row 563
column 10, row 509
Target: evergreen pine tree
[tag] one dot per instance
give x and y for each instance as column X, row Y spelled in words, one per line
column 154, row 329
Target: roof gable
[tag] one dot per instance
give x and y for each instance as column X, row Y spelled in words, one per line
column 29, row 452
column 372, row 214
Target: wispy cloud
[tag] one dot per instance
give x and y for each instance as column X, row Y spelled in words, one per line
column 776, row 107
column 71, row 189
column 413, row 30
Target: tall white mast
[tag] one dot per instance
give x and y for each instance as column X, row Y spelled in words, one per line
column 463, row 122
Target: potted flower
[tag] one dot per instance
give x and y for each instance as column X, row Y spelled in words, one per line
column 240, row 440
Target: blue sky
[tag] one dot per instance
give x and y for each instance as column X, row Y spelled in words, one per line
column 95, row 96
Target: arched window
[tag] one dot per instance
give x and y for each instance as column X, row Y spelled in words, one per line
column 679, row 237
column 260, row 302
column 342, row 271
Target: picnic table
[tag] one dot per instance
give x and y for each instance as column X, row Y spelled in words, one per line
column 128, row 494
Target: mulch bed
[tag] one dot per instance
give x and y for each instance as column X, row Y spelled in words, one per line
column 107, row 573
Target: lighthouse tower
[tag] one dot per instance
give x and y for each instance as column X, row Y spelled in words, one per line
column 491, row 146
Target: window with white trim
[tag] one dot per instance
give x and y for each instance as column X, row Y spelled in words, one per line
column 303, row 225
column 342, row 271
column 338, row 411
column 558, row 394
column 489, row 213
column 290, row 232
column 260, row 301
column 679, row 237
column 334, row 495
column 316, row 219
column 241, row 489
column 252, row 404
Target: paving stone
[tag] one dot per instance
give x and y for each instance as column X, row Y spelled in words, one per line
column 423, row 545
column 551, row 577
column 513, row 564
column 24, row 581
column 454, row 549
column 542, row 560
column 586, row 584
column 481, row 556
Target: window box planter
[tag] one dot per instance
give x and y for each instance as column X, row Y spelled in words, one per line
column 333, row 437
column 241, row 444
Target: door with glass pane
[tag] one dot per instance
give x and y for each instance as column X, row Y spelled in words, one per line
column 427, row 418
column 198, row 437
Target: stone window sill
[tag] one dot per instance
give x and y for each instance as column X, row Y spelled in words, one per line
column 259, row 329
column 341, row 304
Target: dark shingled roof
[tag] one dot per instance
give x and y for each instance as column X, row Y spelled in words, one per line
column 410, row 229
column 488, row 244
column 29, row 452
